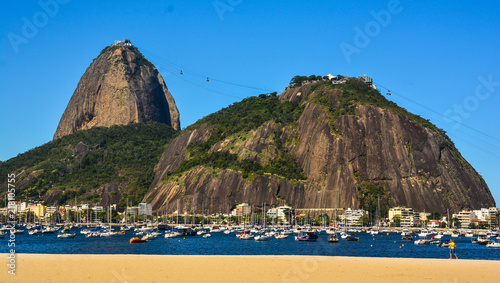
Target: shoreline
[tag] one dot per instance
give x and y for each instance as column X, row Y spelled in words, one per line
column 210, row 268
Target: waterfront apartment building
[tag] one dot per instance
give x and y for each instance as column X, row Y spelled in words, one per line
column 50, row 209
column 98, row 208
column 423, row 216
column 279, row 212
column 22, row 206
column 396, row 211
column 353, row 216
column 145, row 209
column 241, row 209
column 408, row 217
column 482, row 214
column 39, row 210
column 132, row 210
column 464, row 218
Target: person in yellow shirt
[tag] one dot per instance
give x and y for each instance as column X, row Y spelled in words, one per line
column 452, row 247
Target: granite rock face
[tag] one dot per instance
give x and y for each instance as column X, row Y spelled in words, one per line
column 349, row 156
column 119, row 87
column 416, row 166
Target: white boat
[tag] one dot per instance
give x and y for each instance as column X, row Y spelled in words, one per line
column 344, row 235
column 264, row 237
column 227, row 232
column 424, row 233
column 200, row 232
column 66, row 235
column 469, row 234
column 422, row 242
column 149, row 237
column 439, row 235
column 49, row 230
column 92, row 234
column 244, row 236
column 281, row 236
column 171, row 235
column 145, row 229
column 124, row 228
column 491, row 234
column 444, row 244
column 107, row 234
column 34, row 232
column 493, row 244
column 482, row 238
column 455, row 234
column 333, row 239
column 207, row 235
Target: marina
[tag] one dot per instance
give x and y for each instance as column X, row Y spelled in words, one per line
column 185, row 241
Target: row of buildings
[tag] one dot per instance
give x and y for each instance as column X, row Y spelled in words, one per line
column 244, row 209
column 400, row 216
column 41, row 211
column 462, row 219
column 403, row 216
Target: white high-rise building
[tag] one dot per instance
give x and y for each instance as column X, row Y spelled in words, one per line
column 145, row 209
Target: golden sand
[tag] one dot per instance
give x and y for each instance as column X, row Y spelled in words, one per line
column 181, row 268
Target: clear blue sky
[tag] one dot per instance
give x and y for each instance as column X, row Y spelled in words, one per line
column 437, row 58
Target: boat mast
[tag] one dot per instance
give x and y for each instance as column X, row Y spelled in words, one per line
column 194, row 211
column 202, row 213
column 264, row 216
column 378, row 213
column 336, row 205
column 449, row 220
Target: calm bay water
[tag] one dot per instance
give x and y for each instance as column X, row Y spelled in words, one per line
column 381, row 245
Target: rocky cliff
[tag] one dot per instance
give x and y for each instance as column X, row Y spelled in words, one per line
column 311, row 144
column 119, row 87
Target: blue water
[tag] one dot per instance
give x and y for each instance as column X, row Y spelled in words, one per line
column 381, row 245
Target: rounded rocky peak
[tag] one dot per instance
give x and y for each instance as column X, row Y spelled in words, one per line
column 119, row 87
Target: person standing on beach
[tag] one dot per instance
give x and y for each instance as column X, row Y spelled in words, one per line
column 452, row 247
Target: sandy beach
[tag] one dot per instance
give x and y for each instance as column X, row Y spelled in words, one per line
column 174, row 268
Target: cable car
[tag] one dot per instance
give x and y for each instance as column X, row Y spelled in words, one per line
column 388, row 92
column 181, row 72
column 208, row 79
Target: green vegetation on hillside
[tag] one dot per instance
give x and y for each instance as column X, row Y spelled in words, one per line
column 119, row 154
column 244, row 116
column 371, row 196
column 355, row 91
